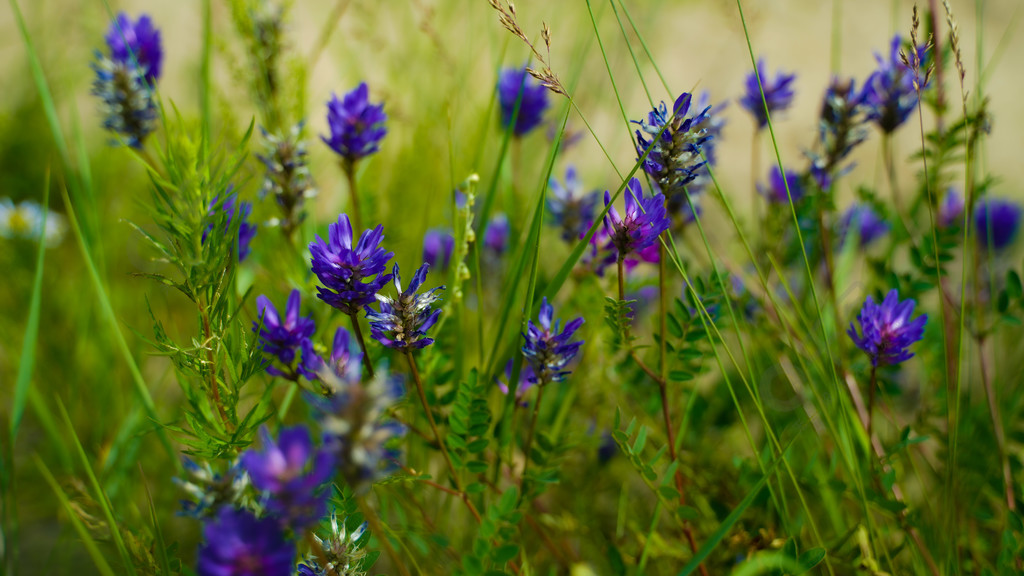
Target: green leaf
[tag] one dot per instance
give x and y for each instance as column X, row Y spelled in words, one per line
column 687, row 513
column 505, row 553
column 716, row 538
column 811, row 558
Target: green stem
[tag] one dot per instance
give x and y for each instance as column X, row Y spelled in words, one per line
column 349, row 168
column 997, row 425
column 362, row 344
column 377, row 528
column 871, row 398
column 437, row 435
column 529, row 435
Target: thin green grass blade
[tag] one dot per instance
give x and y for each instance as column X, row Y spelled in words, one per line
column 107, row 310
column 716, row 538
column 608, row 67
column 45, row 96
column 28, row 347
column 49, row 424
column 158, row 535
column 99, row 494
column 205, row 83
column 87, row 539
column 647, row 51
column 515, row 274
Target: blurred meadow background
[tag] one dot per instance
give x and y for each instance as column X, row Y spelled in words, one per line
column 70, row 398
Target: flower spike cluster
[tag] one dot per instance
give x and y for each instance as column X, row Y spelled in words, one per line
column 572, row 208
column 515, row 85
column 868, row 224
column 356, row 126
column 675, row 144
column 283, row 340
column 124, row 79
column 237, row 543
column 778, row 94
column 293, row 474
column 889, row 93
column 644, row 220
column 840, row 129
column 136, row 44
column 344, row 269
column 887, row 329
column 776, row 190
column 547, row 349
column 997, row 222
column 402, row 322
column 287, row 176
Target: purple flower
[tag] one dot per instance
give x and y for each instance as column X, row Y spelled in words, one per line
column 356, row 126
column 840, row 129
column 287, row 177
column 293, row 474
column 526, row 381
column 352, row 417
column 997, row 222
column 869, row 225
column 572, row 208
column 438, row 245
column 402, row 322
column 778, row 94
column 675, row 156
column 239, row 544
column 342, row 269
column 345, row 362
column 889, row 93
column 126, row 100
column 951, row 209
column 517, row 87
column 887, row 329
column 548, row 350
column 496, row 235
column 642, row 223
column 136, row 43
column 246, row 231
column 775, row 191
column 283, row 340
column 606, row 448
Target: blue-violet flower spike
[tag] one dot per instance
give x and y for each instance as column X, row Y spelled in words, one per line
column 356, row 126
column 887, row 329
column 343, row 268
column 126, row 100
column 239, row 544
column 283, row 340
column 402, row 322
column 572, row 208
column 869, row 225
column 438, row 245
column 676, row 144
column 136, row 44
column 548, row 350
column 997, row 222
column 642, row 223
column 516, row 85
column 775, row 191
column 778, row 94
column 293, row 474
column 888, row 93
